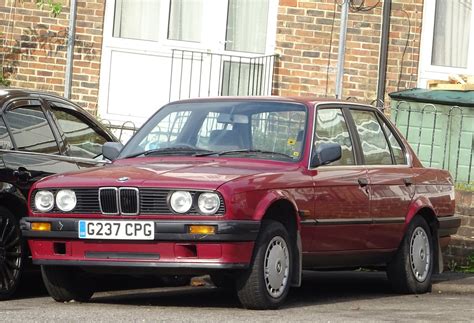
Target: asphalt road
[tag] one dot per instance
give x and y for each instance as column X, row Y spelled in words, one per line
column 324, row 297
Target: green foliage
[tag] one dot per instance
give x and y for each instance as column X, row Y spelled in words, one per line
column 468, row 187
column 55, row 8
column 469, row 268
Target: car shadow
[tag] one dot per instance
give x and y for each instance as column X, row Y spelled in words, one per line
column 317, row 288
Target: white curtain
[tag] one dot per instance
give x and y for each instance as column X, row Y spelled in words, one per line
column 451, row 33
column 247, row 25
column 137, row 19
column 185, row 20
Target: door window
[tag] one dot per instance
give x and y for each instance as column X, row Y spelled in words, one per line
column 397, row 149
column 5, row 140
column 83, row 140
column 372, row 139
column 247, row 25
column 185, row 22
column 331, row 127
column 31, row 130
column 137, row 19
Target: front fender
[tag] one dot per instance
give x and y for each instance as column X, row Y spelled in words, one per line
column 270, row 198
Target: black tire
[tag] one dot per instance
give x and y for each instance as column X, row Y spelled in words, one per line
column 223, row 280
column 252, row 285
column 12, row 254
column 65, row 284
column 401, row 270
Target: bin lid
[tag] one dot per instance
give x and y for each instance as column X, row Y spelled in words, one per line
column 460, row 98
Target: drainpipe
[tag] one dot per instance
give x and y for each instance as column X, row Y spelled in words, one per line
column 70, row 49
column 387, row 8
column 342, row 48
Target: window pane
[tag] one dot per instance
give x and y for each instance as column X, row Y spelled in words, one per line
column 451, row 33
column 331, row 127
column 281, row 132
column 5, row 140
column 31, row 130
column 185, row 20
column 372, row 139
column 137, row 19
column 396, row 148
column 82, row 139
column 247, row 25
column 242, row 79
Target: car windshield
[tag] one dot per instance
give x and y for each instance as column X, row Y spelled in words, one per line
column 245, row 129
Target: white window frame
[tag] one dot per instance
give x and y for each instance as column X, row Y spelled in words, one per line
column 427, row 71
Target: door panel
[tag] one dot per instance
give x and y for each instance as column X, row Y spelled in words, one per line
column 341, row 209
column 391, row 194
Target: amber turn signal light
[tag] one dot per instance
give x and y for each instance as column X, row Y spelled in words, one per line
column 41, row 226
column 202, row 229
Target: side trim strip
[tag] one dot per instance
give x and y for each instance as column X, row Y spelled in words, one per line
column 350, row 221
column 185, row 265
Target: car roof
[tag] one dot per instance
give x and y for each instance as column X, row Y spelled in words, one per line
column 7, row 93
column 307, row 100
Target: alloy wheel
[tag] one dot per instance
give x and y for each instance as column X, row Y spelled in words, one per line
column 420, row 254
column 10, row 255
column 276, row 267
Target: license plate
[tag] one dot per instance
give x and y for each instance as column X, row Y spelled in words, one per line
column 117, row 230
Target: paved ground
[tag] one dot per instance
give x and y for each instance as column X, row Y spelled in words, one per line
column 324, row 297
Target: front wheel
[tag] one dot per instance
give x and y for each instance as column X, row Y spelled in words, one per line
column 412, row 267
column 267, row 282
column 65, row 284
column 12, row 250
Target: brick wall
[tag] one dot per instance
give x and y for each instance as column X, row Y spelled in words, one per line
column 462, row 244
column 33, row 48
column 304, row 40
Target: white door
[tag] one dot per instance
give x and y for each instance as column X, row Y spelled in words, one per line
column 158, row 51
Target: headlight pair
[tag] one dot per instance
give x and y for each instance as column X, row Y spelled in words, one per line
column 207, row 203
column 65, row 200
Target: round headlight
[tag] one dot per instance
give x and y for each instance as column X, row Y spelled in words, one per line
column 44, row 201
column 209, row 203
column 181, row 201
column 66, row 200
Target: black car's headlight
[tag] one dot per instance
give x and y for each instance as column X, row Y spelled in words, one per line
column 44, row 201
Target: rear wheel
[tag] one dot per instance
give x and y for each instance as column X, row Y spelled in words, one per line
column 12, row 250
column 65, row 284
column 267, row 282
column 412, row 267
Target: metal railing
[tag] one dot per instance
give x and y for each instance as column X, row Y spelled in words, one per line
column 442, row 136
column 201, row 74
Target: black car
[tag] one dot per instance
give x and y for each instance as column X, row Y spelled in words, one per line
column 40, row 135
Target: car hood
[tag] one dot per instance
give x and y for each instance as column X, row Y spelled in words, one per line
column 196, row 173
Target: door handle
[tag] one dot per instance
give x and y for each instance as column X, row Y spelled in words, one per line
column 363, row 182
column 408, row 181
column 22, row 174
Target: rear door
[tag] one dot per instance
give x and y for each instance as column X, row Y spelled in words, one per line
column 390, row 177
column 341, row 212
column 35, row 149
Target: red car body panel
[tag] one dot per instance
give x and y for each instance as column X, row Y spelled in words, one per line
column 335, row 215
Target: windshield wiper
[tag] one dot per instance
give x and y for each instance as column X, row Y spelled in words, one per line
column 244, row 151
column 169, row 151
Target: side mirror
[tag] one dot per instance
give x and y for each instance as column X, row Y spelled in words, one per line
column 326, row 153
column 111, row 150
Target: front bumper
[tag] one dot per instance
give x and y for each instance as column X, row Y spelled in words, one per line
column 173, row 248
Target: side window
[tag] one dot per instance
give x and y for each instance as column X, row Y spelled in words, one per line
column 372, row 139
column 397, row 150
column 31, row 130
column 331, row 127
column 5, row 140
column 84, row 141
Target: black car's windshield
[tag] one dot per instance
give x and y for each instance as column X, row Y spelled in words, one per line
column 243, row 128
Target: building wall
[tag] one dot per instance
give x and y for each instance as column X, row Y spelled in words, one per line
column 307, row 30
column 33, row 48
